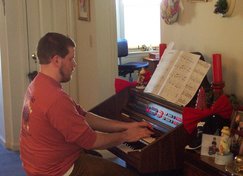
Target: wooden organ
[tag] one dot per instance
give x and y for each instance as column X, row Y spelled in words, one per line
column 161, row 152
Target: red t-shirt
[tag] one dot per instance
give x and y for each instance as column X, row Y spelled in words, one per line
column 53, row 129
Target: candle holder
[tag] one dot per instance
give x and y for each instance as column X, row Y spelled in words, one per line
column 217, row 68
column 217, row 89
column 162, row 48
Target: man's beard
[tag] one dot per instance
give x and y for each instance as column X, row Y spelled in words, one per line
column 64, row 77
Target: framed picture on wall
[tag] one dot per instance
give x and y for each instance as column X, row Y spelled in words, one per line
column 84, row 10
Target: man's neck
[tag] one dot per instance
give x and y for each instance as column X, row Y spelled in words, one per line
column 45, row 69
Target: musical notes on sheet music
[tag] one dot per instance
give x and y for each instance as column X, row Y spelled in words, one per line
column 178, row 76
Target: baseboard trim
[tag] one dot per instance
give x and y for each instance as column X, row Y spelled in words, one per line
column 10, row 146
column 2, row 141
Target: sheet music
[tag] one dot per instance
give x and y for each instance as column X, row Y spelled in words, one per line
column 178, row 76
column 165, row 65
column 194, row 82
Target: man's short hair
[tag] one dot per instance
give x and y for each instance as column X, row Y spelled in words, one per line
column 52, row 44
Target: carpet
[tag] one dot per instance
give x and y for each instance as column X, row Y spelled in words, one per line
column 10, row 163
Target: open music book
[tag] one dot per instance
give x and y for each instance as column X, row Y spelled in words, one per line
column 177, row 76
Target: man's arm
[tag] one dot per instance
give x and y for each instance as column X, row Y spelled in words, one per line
column 102, row 124
column 107, row 140
column 116, row 132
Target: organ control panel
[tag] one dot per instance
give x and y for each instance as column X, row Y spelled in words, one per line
column 157, row 112
column 162, row 151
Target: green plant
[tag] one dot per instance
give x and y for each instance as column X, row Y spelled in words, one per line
column 221, row 6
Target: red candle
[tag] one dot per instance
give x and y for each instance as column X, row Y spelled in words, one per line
column 217, row 68
column 162, row 48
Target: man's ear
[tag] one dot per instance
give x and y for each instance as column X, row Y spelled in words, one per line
column 56, row 60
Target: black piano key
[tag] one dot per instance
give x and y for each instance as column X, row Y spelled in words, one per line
column 135, row 145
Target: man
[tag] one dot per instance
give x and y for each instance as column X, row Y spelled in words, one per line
column 56, row 132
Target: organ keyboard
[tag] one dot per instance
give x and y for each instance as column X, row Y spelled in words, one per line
column 162, row 151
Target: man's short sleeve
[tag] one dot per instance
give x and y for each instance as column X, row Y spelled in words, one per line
column 64, row 116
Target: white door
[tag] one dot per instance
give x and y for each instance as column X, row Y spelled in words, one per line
column 47, row 16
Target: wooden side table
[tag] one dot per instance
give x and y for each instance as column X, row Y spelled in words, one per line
column 152, row 63
column 197, row 165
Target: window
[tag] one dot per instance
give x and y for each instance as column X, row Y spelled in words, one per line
column 139, row 22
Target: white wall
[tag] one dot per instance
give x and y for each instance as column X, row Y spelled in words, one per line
column 97, row 54
column 199, row 29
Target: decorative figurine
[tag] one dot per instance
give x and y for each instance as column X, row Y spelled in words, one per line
column 237, row 133
column 201, row 102
column 224, row 146
column 143, row 78
column 224, row 156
